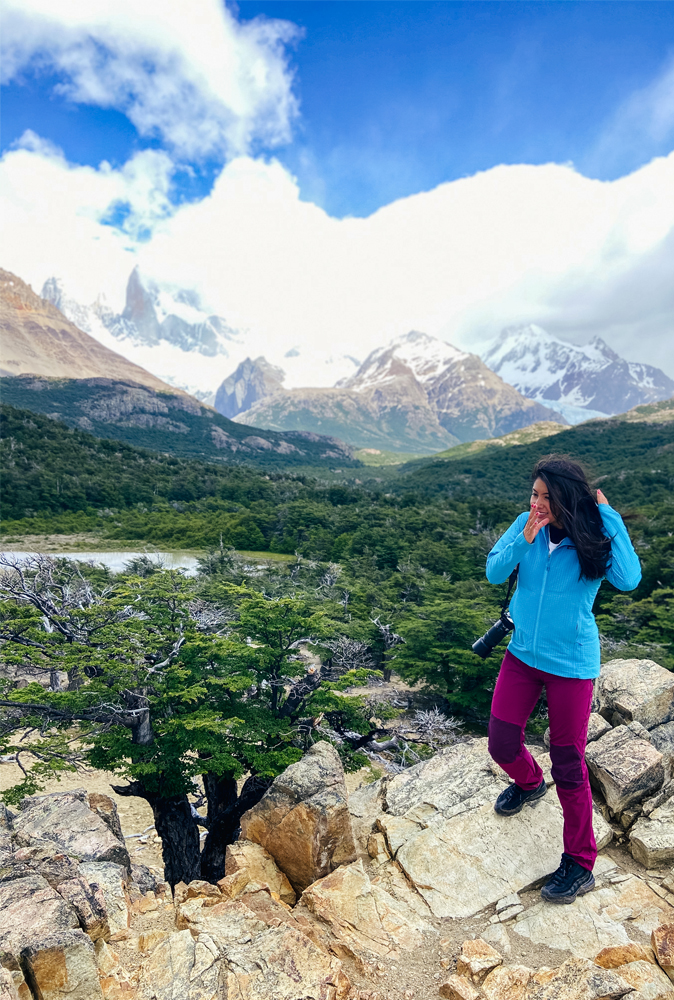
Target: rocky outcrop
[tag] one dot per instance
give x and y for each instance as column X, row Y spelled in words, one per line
column 109, row 880
column 244, row 856
column 62, row 966
column 626, row 766
column 65, row 819
column 439, row 824
column 30, row 908
column 638, row 690
column 358, row 918
column 303, row 819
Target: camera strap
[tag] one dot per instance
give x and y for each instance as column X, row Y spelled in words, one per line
column 511, row 583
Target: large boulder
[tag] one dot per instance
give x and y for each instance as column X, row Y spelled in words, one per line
column 62, row 966
column 626, row 766
column 303, row 819
column 635, row 690
column 65, row 819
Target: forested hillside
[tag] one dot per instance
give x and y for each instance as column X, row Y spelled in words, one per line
column 409, row 554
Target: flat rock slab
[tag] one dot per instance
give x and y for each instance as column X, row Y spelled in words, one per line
column 463, row 864
column 65, row 819
column 453, row 781
column 626, row 766
column 596, row 921
column 638, row 690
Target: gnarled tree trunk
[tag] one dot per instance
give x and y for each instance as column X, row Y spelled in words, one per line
column 227, row 819
column 179, row 833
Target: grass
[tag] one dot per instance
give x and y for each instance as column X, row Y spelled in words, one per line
column 373, row 456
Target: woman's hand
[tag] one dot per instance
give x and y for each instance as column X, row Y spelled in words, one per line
column 601, row 498
column 534, row 524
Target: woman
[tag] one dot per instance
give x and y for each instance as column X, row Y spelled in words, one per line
column 564, row 547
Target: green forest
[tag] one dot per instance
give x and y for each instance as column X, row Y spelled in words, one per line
column 381, row 576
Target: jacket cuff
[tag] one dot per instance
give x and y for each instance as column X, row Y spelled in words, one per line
column 520, row 544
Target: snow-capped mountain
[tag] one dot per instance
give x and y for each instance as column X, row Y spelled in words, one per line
column 417, row 394
column 165, row 330
column 579, row 382
column 427, row 358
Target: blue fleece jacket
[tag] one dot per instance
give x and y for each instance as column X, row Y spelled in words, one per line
column 555, row 630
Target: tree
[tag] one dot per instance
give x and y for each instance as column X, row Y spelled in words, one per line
column 144, row 679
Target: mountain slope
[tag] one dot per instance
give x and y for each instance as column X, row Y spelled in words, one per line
column 166, row 421
column 395, row 416
column 36, row 338
column 580, row 382
column 416, row 394
column 632, row 461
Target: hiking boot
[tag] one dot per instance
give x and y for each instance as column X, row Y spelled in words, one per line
column 513, row 798
column 570, row 880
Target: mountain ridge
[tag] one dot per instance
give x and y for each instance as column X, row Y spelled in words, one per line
column 579, row 381
column 417, row 393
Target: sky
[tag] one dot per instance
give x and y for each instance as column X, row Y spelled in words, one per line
column 330, row 174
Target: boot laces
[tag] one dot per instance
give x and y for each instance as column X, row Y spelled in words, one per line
column 560, row 875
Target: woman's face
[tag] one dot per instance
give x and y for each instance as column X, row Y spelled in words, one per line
column 540, row 502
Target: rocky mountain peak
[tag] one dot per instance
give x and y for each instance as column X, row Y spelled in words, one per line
column 578, row 381
column 417, row 354
column 252, row 381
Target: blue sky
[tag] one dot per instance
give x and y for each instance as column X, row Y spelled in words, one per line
column 397, row 97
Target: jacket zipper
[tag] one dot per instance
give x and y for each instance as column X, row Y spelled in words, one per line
column 540, row 601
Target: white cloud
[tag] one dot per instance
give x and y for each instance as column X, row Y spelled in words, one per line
column 511, row 244
column 205, row 83
column 640, row 126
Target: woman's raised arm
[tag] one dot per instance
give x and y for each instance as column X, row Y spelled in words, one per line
column 507, row 552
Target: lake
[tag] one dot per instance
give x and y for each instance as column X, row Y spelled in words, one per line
column 116, row 561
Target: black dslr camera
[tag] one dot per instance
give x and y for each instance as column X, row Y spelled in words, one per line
column 497, row 633
column 499, row 630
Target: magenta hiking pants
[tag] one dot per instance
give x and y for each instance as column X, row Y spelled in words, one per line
column 518, row 688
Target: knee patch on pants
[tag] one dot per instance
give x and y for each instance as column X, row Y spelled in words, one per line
column 567, row 766
column 505, row 740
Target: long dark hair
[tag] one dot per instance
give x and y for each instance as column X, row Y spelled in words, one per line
column 574, row 506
